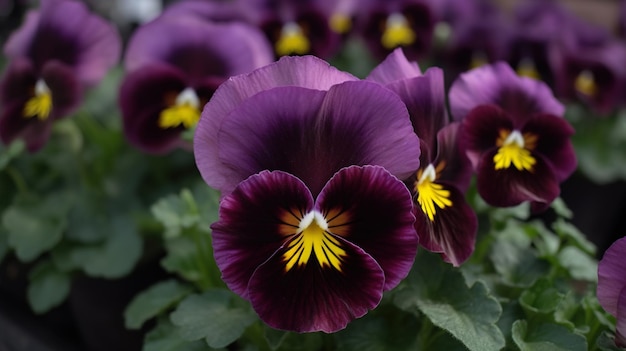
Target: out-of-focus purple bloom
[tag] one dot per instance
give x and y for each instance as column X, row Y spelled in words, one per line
column 621, row 20
column 444, row 221
column 209, row 10
column 175, row 64
column 312, row 228
column 295, row 27
column 611, row 289
column 389, row 24
column 302, row 116
column 514, row 135
column 60, row 50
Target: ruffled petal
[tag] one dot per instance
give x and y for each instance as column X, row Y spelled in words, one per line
column 611, row 278
column 554, row 143
column 312, row 135
column 199, row 48
column 620, row 327
column 309, row 299
column 510, row 187
column 453, row 231
column 498, row 84
column 255, row 220
column 142, row 97
column 457, row 168
column 393, row 68
column 372, row 209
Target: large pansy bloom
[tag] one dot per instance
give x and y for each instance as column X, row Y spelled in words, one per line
column 60, row 50
column 175, row 64
column 611, row 290
column 314, row 221
column 389, row 24
column 444, row 221
column 514, row 134
column 295, row 27
column 302, row 116
column 314, row 265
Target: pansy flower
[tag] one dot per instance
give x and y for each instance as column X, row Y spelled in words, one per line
column 514, row 134
column 389, row 24
column 611, row 290
column 60, row 50
column 444, row 220
column 295, row 27
column 314, row 222
column 174, row 65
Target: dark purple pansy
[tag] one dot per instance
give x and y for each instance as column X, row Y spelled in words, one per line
column 315, row 262
column 174, row 66
column 611, row 289
column 389, row 24
column 302, row 116
column 294, row 27
column 444, row 221
column 60, row 50
column 514, row 134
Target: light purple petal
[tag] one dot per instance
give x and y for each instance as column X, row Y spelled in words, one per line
column 620, row 328
column 394, row 67
column 255, row 220
column 611, row 278
column 498, row 84
column 373, row 209
column 312, row 135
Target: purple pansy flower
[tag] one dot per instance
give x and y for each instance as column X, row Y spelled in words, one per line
column 514, row 134
column 60, row 50
column 444, row 220
column 295, row 27
column 209, row 10
column 389, row 24
column 611, row 290
column 175, row 65
column 312, row 228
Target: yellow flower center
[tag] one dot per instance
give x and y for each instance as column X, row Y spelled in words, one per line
column 526, row 68
column 185, row 111
column 40, row 104
column 313, row 238
column 585, row 83
column 431, row 196
column 397, row 32
column 514, row 149
column 292, row 41
column 340, row 23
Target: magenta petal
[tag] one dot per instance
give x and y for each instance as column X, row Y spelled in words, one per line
column 499, row 85
column 510, row 187
column 310, row 298
column 251, row 224
column 393, row 68
column 374, row 211
column 453, row 232
column 611, row 277
column 554, row 143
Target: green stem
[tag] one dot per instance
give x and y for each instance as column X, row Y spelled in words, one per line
column 205, row 280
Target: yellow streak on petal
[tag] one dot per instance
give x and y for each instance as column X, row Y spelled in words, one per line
column 431, row 196
column 40, row 104
column 585, row 83
column 314, row 239
column 292, row 41
column 397, row 32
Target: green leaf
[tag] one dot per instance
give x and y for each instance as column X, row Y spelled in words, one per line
column 546, row 337
column 176, row 212
column 440, row 292
column 606, row 342
column 541, row 298
column 579, row 264
column 289, row 341
column 10, row 152
column 153, row 301
column 165, row 337
column 116, row 256
column 48, row 287
column 569, row 232
column 35, row 225
column 212, row 317
column 560, row 208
